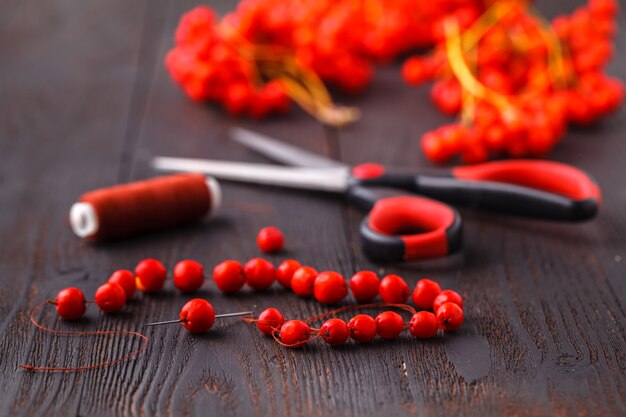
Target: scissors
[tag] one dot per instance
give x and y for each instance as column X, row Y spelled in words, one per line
column 420, row 225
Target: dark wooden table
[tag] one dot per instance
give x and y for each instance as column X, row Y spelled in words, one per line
column 85, row 102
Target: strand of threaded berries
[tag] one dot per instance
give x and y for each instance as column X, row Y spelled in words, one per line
column 327, row 287
column 230, row 276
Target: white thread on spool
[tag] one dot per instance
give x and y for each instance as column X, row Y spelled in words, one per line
column 215, row 191
column 83, row 219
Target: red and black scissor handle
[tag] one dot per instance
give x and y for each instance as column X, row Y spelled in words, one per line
column 409, row 228
column 538, row 189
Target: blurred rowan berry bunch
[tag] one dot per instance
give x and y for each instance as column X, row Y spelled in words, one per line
column 256, row 59
column 515, row 80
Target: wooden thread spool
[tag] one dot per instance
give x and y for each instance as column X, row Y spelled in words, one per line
column 144, row 206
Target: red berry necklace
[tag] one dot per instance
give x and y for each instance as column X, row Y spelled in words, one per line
column 441, row 310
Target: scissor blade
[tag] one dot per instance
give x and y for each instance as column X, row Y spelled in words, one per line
column 280, row 151
column 333, row 179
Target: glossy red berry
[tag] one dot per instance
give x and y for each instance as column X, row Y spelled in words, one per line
column 389, row 325
column 270, row 320
column 423, row 325
column 449, row 317
column 110, row 297
column 416, row 70
column 197, row 316
column 125, row 279
column 364, row 286
column 150, row 275
column 362, row 328
column 295, row 333
column 260, row 273
column 303, row 280
column 335, row 332
column 329, row 287
column 229, row 276
column 188, row 275
column 285, row 271
column 70, row 303
column 270, row 240
column 447, row 296
column 424, row 293
column 393, row 289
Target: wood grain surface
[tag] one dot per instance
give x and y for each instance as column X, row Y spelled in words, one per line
column 85, row 102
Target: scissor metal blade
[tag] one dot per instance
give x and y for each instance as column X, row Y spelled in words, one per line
column 333, row 179
column 280, row 151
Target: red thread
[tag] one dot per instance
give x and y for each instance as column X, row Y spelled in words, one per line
column 93, row 333
column 149, row 205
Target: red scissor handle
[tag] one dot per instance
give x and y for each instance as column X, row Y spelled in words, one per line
column 552, row 177
column 409, row 228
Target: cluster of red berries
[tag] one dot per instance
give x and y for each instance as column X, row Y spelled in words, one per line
column 447, row 306
column 587, row 35
column 209, row 66
column 517, row 80
column 255, row 57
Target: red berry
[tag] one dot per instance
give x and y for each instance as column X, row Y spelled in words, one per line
column 285, row 271
column 335, row 332
column 197, row 316
column 188, row 275
column 150, row 275
column 70, row 303
column 270, row 320
column 260, row 273
column 229, row 276
column 194, row 25
column 449, row 317
column 434, row 148
column 425, row 292
column 237, row 98
column 447, row 95
column 295, row 333
column 364, row 286
column 423, row 325
column 110, row 297
column 270, row 240
column 330, row 287
column 303, row 280
column 447, row 296
column 393, row 289
column 389, row 325
column 416, row 70
column 126, row 280
column 362, row 328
